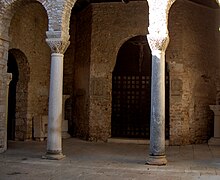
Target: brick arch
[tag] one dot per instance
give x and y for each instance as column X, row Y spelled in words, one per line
column 66, row 14
column 59, row 16
column 18, row 65
column 126, row 38
column 120, row 44
column 9, row 7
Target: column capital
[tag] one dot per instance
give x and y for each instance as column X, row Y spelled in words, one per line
column 57, row 42
column 158, row 42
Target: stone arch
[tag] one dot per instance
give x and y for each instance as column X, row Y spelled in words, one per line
column 59, row 16
column 68, row 5
column 120, row 44
column 104, row 54
column 126, row 38
column 11, row 6
column 18, row 93
column 27, row 33
column 8, row 9
column 187, row 62
column 131, row 86
column 130, row 116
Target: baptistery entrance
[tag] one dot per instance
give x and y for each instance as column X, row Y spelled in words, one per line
column 131, row 91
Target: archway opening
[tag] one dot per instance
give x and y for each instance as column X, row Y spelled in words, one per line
column 13, row 69
column 18, row 95
column 193, row 58
column 27, row 34
column 131, row 91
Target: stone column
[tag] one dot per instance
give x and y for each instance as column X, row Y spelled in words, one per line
column 158, row 40
column 157, row 128
column 58, row 46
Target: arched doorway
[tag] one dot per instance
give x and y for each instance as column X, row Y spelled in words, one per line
column 32, row 55
column 12, row 68
column 131, row 91
column 18, row 95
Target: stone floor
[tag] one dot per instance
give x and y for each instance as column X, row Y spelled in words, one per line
column 106, row 161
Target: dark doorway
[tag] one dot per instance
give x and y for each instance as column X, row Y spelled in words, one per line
column 18, row 95
column 131, row 91
column 12, row 68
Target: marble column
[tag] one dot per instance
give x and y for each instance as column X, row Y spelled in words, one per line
column 158, row 40
column 157, row 128
column 54, row 137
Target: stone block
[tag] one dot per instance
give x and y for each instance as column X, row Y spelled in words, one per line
column 40, row 127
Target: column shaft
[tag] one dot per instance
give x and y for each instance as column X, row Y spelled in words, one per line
column 54, row 140
column 158, row 39
column 158, row 44
column 58, row 43
column 157, row 131
column 157, row 125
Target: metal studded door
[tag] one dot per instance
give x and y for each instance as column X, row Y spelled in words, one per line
column 131, row 90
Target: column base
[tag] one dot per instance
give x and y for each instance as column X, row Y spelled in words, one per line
column 156, row 160
column 65, row 135
column 214, row 141
column 53, row 156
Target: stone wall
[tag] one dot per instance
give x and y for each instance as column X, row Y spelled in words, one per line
column 68, row 77
column 27, row 33
column 100, row 31
column 113, row 24
column 193, row 62
column 20, row 82
column 69, row 57
column 4, row 82
column 81, row 72
column 191, row 57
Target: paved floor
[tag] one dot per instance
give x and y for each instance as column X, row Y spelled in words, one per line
column 106, row 161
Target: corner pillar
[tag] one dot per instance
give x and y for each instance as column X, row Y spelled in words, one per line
column 5, row 79
column 58, row 46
